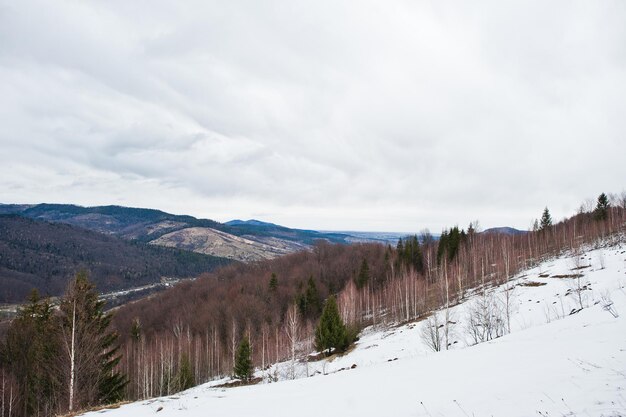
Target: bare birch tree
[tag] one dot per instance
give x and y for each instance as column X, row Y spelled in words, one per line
column 292, row 329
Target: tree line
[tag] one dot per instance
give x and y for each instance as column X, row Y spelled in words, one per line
column 243, row 317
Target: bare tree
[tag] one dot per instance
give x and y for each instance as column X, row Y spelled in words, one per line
column 292, row 329
column 72, row 356
column 432, row 333
column 578, row 285
column 485, row 319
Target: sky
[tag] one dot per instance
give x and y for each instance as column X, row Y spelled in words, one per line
column 330, row 115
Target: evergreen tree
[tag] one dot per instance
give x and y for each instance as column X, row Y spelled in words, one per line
column 30, row 353
column 185, row 378
column 546, row 220
column 331, row 331
column 450, row 243
column 414, row 254
column 273, row 284
column 363, row 276
column 410, row 254
column 442, row 246
column 90, row 346
column 243, row 362
column 309, row 303
column 602, row 208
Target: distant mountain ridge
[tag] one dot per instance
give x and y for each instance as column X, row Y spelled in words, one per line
column 504, row 230
column 39, row 254
column 242, row 240
column 251, row 222
column 246, row 241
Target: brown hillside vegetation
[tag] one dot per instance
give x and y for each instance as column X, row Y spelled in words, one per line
column 192, row 332
column 200, row 323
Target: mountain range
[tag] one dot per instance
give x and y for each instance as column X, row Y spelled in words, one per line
column 43, row 245
column 238, row 240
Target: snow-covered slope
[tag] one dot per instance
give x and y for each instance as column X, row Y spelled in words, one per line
column 551, row 364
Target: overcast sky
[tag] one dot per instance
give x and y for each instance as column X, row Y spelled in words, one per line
column 386, row 116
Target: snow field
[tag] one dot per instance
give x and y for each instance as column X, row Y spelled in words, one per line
column 551, row 364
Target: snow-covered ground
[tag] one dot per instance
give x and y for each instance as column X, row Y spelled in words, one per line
column 551, row 364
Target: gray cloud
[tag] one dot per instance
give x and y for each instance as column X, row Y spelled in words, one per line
column 334, row 115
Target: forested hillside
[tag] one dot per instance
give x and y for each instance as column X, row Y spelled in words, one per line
column 311, row 301
column 203, row 321
column 42, row 255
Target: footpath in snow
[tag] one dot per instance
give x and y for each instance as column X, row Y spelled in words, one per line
column 553, row 363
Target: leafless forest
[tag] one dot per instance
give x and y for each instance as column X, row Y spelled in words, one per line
column 202, row 321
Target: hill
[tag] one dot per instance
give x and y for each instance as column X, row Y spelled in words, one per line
column 43, row 255
column 239, row 240
column 556, row 360
column 504, row 231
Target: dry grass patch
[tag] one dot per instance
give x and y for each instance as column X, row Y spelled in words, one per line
column 532, row 284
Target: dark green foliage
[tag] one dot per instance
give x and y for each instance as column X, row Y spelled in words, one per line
column 309, row 303
column 243, row 361
column 602, row 208
column 363, row 276
column 449, row 243
column 97, row 380
column 546, row 220
column 331, row 331
column 185, row 378
column 30, row 353
column 273, row 285
column 410, row 254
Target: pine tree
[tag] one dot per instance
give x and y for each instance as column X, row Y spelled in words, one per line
column 273, row 284
column 450, row 243
column 309, row 303
column 602, row 208
column 243, row 362
column 363, row 276
column 414, row 254
column 185, row 378
column 546, row 220
column 30, row 353
column 331, row 331
column 91, row 351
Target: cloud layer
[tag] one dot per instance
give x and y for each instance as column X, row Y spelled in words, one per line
column 391, row 115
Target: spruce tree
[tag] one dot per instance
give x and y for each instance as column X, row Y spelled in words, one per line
column 273, row 284
column 546, row 220
column 450, row 243
column 185, row 378
column 602, row 207
column 364, row 275
column 309, row 303
column 91, row 350
column 331, row 331
column 30, row 353
column 414, row 254
column 243, row 361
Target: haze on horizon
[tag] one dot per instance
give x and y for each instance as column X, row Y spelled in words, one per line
column 391, row 116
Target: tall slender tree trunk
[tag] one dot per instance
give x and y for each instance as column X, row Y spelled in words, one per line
column 72, row 357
